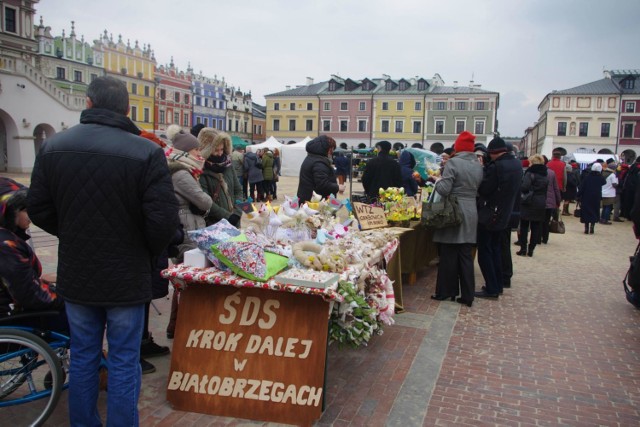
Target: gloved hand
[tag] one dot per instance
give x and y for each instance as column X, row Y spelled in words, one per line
column 234, row 220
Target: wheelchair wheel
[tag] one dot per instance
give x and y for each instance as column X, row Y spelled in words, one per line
column 31, row 378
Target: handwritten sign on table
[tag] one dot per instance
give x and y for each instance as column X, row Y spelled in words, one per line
column 369, row 216
column 249, row 353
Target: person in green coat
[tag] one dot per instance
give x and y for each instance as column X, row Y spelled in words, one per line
column 218, row 178
column 267, row 174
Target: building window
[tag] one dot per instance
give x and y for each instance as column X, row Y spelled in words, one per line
column 422, row 85
column 480, row 105
column 439, row 126
column 326, row 106
column 161, row 117
column 231, row 125
column 93, row 77
column 460, row 126
column 461, row 105
column 326, row 125
column 418, row 106
column 584, row 129
column 163, row 95
column 145, row 114
column 309, row 106
column 604, row 130
column 441, row 105
column 206, row 102
column 362, row 125
column 417, row 127
column 198, row 119
column 134, row 89
column 77, row 76
column 292, row 124
column 562, row 128
column 276, row 124
column 134, row 113
column 237, row 123
column 206, row 121
column 479, row 127
column 344, row 125
column 628, row 84
column 309, row 126
column 399, row 126
column 332, row 86
column 292, row 106
column 176, row 96
column 384, row 126
column 10, row 20
column 385, row 106
column 343, row 106
column 627, row 130
column 276, row 106
column 630, row 107
column 186, row 120
column 362, row 106
column 399, row 106
column 60, row 73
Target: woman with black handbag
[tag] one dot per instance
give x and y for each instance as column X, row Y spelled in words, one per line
column 532, row 204
column 461, row 177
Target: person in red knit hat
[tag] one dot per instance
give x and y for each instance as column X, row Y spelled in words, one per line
column 465, row 142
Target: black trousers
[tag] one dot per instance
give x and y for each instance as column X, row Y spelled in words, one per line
column 507, row 263
column 535, row 234
column 455, row 271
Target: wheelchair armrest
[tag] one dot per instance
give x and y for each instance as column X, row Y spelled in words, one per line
column 28, row 315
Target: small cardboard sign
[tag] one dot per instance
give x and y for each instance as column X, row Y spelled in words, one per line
column 369, row 216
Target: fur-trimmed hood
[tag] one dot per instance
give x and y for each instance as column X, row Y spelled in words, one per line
column 211, row 138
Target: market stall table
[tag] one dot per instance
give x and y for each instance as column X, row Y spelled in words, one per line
column 248, row 349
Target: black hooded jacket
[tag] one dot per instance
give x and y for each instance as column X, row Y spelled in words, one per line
column 381, row 172
column 316, row 172
column 107, row 194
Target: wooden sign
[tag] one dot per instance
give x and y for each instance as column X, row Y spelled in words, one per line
column 369, row 216
column 249, row 353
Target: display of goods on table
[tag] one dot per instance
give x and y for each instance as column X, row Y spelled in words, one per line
column 293, row 247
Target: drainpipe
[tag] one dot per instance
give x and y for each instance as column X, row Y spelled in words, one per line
column 371, row 123
column 619, row 124
column 424, row 126
column 319, row 104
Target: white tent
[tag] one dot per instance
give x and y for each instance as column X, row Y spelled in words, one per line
column 270, row 143
column 292, row 158
column 302, row 143
column 587, row 158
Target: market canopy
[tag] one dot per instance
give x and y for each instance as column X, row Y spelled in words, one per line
column 591, row 157
column 270, row 143
column 236, row 141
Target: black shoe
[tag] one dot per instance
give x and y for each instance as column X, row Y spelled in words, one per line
column 530, row 253
column 169, row 335
column 618, row 220
column 442, row 298
column 484, row 289
column 147, row 368
column 467, row 303
column 522, row 252
column 485, row 294
column 149, row 348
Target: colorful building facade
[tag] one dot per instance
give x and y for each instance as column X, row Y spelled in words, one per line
column 136, row 67
column 239, row 113
column 173, row 102
column 209, row 102
column 409, row 111
column 259, row 123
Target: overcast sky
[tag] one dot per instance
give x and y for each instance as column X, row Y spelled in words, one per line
column 522, row 49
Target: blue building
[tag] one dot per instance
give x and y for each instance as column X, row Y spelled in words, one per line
column 209, row 102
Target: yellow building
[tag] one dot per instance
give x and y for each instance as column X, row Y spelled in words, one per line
column 399, row 110
column 136, row 68
column 293, row 114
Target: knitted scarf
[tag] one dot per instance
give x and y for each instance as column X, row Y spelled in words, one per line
column 194, row 164
column 217, row 164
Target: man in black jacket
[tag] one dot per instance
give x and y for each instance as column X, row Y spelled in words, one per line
column 108, row 196
column 381, row 172
column 498, row 190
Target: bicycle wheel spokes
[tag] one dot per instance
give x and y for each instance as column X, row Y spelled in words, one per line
column 30, row 378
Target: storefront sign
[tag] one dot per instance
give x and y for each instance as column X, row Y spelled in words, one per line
column 249, row 353
column 369, row 216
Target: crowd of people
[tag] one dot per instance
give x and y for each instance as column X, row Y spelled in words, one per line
column 121, row 202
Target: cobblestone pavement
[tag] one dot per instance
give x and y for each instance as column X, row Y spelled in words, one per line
column 561, row 347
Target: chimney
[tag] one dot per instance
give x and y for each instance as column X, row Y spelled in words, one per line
column 455, row 84
column 309, row 81
column 386, row 77
column 288, row 87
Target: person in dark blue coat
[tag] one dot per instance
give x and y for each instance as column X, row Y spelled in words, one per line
column 407, row 163
column 590, row 195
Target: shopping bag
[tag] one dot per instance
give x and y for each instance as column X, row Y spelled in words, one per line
column 441, row 212
column 556, row 226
